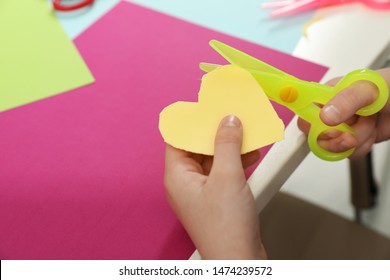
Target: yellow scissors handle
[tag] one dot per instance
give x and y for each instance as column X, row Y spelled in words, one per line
column 373, row 77
column 312, row 115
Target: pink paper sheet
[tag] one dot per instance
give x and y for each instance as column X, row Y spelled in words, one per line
column 81, row 174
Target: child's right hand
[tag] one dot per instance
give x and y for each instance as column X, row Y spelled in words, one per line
column 342, row 108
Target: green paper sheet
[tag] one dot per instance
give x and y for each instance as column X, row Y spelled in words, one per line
column 37, row 60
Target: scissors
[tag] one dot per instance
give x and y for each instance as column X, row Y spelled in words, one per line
column 302, row 97
column 57, row 4
column 287, row 7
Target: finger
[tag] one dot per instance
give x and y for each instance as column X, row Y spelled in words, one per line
column 348, row 101
column 227, row 153
column 337, row 141
column 383, row 128
column 363, row 150
column 337, row 144
column 333, row 81
column 179, row 161
column 365, row 128
column 304, row 126
column 173, row 156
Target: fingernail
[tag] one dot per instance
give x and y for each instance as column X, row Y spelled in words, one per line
column 231, row 121
column 332, row 113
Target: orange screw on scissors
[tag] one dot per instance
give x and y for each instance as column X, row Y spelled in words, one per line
column 57, row 4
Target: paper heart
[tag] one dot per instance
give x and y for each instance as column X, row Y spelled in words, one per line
column 228, row 90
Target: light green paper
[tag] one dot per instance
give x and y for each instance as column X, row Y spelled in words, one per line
column 37, row 60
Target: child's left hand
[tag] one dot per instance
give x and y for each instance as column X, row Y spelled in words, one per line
column 212, row 199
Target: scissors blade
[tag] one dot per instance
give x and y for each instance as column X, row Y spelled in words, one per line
column 208, row 67
column 242, row 59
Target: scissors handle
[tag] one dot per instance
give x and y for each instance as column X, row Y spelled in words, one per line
column 373, row 77
column 312, row 114
column 320, row 152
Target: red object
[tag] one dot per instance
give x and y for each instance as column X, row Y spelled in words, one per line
column 65, row 8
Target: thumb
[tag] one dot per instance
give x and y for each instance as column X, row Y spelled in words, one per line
column 227, row 152
column 348, row 101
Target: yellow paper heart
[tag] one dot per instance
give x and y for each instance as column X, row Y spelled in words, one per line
column 228, row 90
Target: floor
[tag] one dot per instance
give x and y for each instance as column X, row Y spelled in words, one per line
column 292, row 229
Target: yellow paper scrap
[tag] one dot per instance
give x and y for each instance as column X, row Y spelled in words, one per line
column 228, row 90
column 37, row 60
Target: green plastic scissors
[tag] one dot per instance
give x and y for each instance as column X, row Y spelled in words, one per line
column 302, row 97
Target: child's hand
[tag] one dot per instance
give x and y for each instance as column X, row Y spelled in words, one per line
column 342, row 108
column 216, row 206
